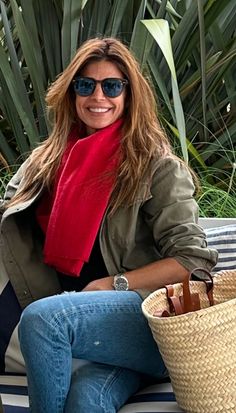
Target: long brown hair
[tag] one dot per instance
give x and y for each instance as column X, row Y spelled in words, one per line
column 143, row 138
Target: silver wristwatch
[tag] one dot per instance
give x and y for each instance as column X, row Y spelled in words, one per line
column 120, row 282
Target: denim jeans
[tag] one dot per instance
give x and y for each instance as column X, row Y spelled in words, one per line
column 105, row 327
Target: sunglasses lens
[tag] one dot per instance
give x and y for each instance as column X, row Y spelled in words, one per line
column 112, row 87
column 84, row 86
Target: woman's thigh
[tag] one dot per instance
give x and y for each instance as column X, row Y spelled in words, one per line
column 102, row 326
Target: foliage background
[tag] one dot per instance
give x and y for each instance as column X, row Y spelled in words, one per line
column 187, row 48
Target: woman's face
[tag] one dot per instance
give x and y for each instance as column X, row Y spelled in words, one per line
column 98, row 111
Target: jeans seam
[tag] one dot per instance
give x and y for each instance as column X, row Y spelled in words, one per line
column 107, row 385
column 54, row 331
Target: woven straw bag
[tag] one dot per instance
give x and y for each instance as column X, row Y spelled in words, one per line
column 198, row 347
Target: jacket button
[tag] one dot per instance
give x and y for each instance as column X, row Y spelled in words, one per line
column 25, row 292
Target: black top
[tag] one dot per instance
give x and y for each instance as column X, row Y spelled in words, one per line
column 92, row 270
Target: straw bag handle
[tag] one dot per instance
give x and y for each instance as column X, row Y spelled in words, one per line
column 189, row 301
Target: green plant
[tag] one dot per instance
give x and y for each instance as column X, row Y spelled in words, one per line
column 216, row 202
column 186, row 47
column 5, row 176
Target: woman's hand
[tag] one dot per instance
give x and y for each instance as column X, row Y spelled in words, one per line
column 100, row 284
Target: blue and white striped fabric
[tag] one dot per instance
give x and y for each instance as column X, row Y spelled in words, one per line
column 224, row 240
column 156, row 398
column 13, row 390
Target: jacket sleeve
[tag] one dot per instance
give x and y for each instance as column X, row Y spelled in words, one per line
column 172, row 214
column 14, row 183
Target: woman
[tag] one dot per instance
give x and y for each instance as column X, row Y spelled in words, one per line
column 105, row 210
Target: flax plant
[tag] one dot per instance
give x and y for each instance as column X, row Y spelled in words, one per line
column 187, row 49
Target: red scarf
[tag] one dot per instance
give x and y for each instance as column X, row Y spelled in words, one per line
column 84, row 185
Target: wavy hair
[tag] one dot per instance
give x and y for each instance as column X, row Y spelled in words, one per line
column 142, row 139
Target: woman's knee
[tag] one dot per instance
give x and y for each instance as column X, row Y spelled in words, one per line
column 34, row 317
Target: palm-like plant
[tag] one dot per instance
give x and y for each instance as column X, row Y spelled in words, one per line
column 187, row 48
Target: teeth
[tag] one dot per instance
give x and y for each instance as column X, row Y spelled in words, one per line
column 99, row 110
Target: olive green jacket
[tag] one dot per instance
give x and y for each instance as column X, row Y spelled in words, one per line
column 160, row 223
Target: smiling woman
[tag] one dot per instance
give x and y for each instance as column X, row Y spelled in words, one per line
column 104, row 210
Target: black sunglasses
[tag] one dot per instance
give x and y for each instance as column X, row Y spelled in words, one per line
column 111, row 86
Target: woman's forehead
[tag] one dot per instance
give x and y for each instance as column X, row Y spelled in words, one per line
column 101, row 69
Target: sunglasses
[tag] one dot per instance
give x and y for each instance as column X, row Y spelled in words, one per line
column 111, row 86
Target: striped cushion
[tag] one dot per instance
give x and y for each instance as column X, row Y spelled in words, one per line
column 156, row 398
column 224, row 240
column 13, row 390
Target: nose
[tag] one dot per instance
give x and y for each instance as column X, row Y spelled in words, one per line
column 98, row 92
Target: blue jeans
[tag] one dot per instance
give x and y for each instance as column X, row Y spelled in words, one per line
column 104, row 327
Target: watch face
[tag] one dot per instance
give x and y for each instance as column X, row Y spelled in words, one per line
column 121, row 284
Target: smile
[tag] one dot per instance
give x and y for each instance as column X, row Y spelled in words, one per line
column 99, row 110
